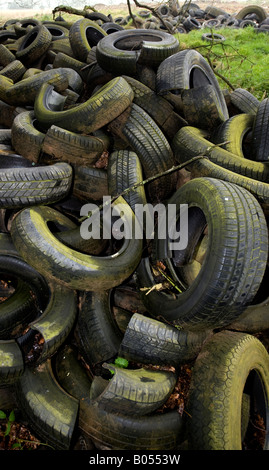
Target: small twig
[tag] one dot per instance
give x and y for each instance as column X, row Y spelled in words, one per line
column 219, row 74
column 169, row 279
column 131, row 14
column 94, row 62
column 211, row 147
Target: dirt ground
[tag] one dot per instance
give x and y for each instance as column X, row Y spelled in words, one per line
column 230, row 7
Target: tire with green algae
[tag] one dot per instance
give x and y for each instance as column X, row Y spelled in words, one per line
column 138, row 392
column 232, row 132
column 115, row 431
column 101, row 108
column 190, row 142
column 49, row 410
column 70, row 267
column 231, row 371
column 230, row 281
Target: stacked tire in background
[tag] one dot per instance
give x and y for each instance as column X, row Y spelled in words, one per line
column 95, row 333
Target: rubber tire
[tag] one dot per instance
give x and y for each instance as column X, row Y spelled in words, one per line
column 48, row 409
column 206, row 168
column 213, row 11
column 83, row 35
column 257, row 10
column 34, row 45
column 135, row 392
column 184, row 70
column 201, row 107
column 90, row 183
column 98, row 335
column 124, row 170
column 218, row 381
column 110, row 27
column 260, row 132
column 224, row 293
column 115, row 431
column 189, row 142
column 149, row 341
column 191, row 24
column 14, row 70
column 146, row 139
column 139, row 46
column 20, row 187
column 57, row 31
column 26, row 139
column 95, row 272
column 90, row 115
column 62, row 145
column 244, row 101
column 24, row 92
column 232, row 132
column 213, row 37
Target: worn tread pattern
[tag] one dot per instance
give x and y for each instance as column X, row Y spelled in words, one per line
column 96, row 325
column 71, row 147
column 124, row 171
column 151, row 146
column 50, row 411
column 209, row 169
column 231, row 273
column 153, row 342
column 218, row 379
column 20, row 187
column 260, row 138
column 34, row 44
column 14, row 70
column 244, row 101
column 90, row 183
column 120, row 432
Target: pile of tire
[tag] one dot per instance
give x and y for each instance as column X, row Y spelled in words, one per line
column 191, row 16
column 94, row 333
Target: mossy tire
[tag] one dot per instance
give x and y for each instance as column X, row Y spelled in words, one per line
column 223, row 294
column 231, row 369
